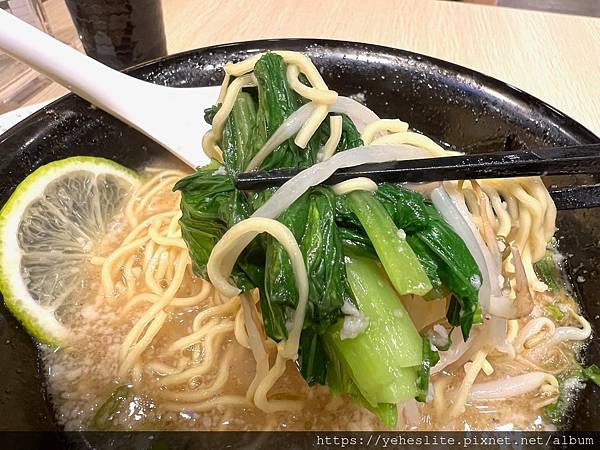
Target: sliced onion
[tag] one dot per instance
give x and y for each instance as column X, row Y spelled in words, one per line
column 530, row 329
column 439, row 336
column 511, row 386
column 456, row 214
column 316, row 174
column 424, row 188
column 457, row 349
column 359, row 114
column 286, row 130
column 452, row 207
column 448, row 202
column 409, row 411
column 573, row 333
column 523, row 303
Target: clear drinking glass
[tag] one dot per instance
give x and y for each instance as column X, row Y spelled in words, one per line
column 18, row 82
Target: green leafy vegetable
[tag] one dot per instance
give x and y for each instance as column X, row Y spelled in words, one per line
column 382, row 361
column 312, row 221
column 437, row 245
column 400, row 262
column 206, row 202
column 209, row 113
column 548, row 272
column 407, row 209
column 312, row 359
column 592, row 373
column 557, row 411
column 457, row 269
column 430, row 359
column 356, row 243
column 429, row 262
column 354, row 248
column 340, row 382
column 554, row 312
column 280, row 286
column 440, row 251
column 350, row 137
column 322, row 251
column 210, row 204
column 105, row 415
column 237, row 134
column 276, row 102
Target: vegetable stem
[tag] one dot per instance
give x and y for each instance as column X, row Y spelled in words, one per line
column 383, row 360
column 400, row 262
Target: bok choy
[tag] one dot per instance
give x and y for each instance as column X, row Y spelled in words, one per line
column 362, row 250
column 381, row 364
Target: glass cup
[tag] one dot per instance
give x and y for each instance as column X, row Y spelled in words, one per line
column 120, row 33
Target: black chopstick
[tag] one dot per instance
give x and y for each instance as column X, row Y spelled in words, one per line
column 553, row 161
column 576, row 197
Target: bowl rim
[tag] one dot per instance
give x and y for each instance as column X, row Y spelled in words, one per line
column 493, row 86
column 499, row 87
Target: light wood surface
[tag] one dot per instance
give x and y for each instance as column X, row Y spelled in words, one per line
column 554, row 57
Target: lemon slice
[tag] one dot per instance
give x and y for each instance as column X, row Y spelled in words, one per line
column 49, row 228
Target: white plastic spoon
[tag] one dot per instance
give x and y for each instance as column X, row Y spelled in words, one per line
column 171, row 116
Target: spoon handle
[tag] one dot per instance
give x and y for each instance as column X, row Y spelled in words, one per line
column 100, row 85
column 170, row 116
column 120, row 95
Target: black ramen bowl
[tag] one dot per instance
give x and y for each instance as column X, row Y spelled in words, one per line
column 449, row 103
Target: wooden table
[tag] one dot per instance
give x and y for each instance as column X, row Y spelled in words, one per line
column 554, row 57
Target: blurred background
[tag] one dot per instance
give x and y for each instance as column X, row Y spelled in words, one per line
column 580, row 7
column 121, row 33
column 19, row 83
